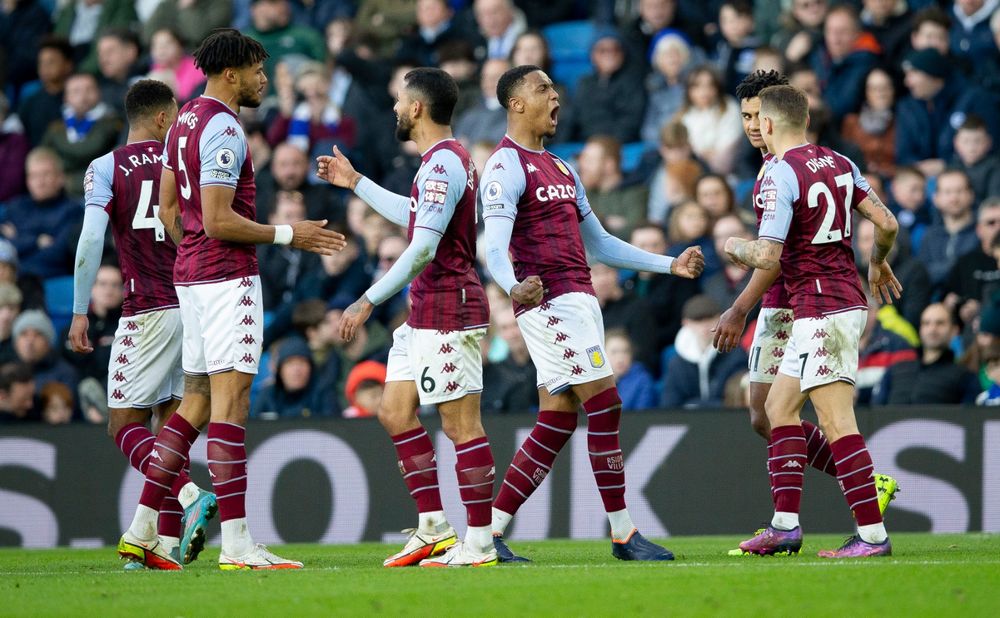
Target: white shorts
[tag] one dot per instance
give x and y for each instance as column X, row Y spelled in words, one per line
column 223, row 325
column 145, row 367
column 774, row 328
column 565, row 338
column 824, row 350
column 445, row 365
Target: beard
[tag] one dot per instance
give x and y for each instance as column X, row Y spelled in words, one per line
column 248, row 96
column 404, row 127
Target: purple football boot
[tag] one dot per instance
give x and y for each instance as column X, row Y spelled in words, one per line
column 770, row 542
column 855, row 547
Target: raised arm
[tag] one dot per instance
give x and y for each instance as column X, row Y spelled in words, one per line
column 338, row 171
column 620, row 254
column 762, row 253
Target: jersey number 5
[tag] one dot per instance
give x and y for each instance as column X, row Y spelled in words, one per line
column 142, row 220
column 826, row 233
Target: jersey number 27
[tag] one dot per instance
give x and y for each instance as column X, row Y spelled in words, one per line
column 826, row 233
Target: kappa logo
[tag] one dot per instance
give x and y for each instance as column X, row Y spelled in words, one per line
column 768, row 182
column 229, row 132
column 553, row 320
column 497, row 166
column 246, row 282
column 822, row 353
column 451, row 387
column 781, row 335
column 122, row 359
column 785, row 318
column 560, row 337
column 792, row 464
column 127, row 342
column 119, row 377
column 248, row 339
column 779, row 353
column 248, row 358
column 577, row 370
column 820, row 334
column 247, row 321
column 823, row 371
column 449, row 368
column 446, row 349
column 532, row 169
column 596, row 357
column 545, row 306
column 132, row 326
column 443, row 332
column 247, row 302
column 117, row 394
column 773, row 371
column 568, row 354
column 438, row 169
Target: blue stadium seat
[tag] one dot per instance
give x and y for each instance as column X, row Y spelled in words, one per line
column 568, row 72
column 59, row 301
column 743, row 189
column 569, row 45
column 567, row 150
column 631, row 155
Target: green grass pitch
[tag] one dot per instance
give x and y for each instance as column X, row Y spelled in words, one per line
column 930, row 575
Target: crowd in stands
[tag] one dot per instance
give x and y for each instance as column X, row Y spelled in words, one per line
column 909, row 89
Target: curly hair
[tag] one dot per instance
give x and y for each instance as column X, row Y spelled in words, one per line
column 752, row 84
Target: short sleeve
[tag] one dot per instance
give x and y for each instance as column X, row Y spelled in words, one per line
column 582, row 203
column 861, row 186
column 779, row 190
column 166, row 151
column 223, row 149
column 97, row 182
column 440, row 185
column 502, row 184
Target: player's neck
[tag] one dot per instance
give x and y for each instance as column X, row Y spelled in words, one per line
column 140, row 134
column 526, row 138
column 784, row 142
column 430, row 135
column 220, row 92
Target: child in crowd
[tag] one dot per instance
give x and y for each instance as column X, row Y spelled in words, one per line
column 635, row 385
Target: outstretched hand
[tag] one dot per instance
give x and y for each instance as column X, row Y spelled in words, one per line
column 883, row 283
column 314, row 237
column 337, row 170
column 689, row 264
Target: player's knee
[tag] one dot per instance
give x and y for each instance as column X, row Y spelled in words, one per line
column 759, row 422
column 460, row 431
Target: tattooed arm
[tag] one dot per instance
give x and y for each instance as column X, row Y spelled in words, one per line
column 886, row 226
column 764, row 254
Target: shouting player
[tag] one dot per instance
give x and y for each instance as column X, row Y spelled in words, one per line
column 808, row 195
column 435, row 357
column 144, row 374
column 207, row 206
column 775, row 320
column 535, row 207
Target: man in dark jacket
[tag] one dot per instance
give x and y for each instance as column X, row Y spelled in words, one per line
column 843, row 61
column 293, row 394
column 933, row 378
column 40, row 109
column 976, row 275
column 510, row 385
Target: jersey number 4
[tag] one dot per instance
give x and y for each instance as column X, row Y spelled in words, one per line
column 142, row 220
column 826, row 233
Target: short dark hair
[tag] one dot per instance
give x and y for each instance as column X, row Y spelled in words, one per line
column 742, row 7
column 123, row 35
column 786, row 101
column 59, row 44
column 752, row 84
column 511, row 81
column 931, row 14
column 973, row 122
column 700, row 307
column 145, row 98
column 228, row 48
column 437, row 89
column 308, row 314
column 955, row 171
column 14, row 373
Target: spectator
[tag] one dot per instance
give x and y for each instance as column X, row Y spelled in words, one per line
column 635, row 386
column 458, row 59
column 933, row 378
column 985, row 346
column 802, row 29
column 383, row 21
column 735, row 49
column 924, row 135
column 975, row 156
column 714, row 194
column 273, row 27
column 976, row 273
column 532, row 48
column 89, row 128
column 873, row 129
column 910, row 271
column 435, row 26
column 56, row 403
column 930, row 30
column 393, row 312
column 691, row 225
column 29, row 286
column 10, row 306
column 991, row 396
column 103, row 314
column 316, row 124
column 945, row 242
column 696, row 376
column 83, row 20
column 889, row 22
column 614, row 96
column 37, row 111
column 33, row 338
column 281, row 266
column 971, row 37
column 289, row 172
column 371, row 342
column 621, row 207
column 664, row 295
column 23, row 23
column 117, row 57
column 309, row 319
column 673, row 181
column 192, row 20
column 509, row 385
column 167, row 53
column 724, row 286
column 909, row 202
column 17, row 394
column 766, row 59
column 500, row 23
column 665, row 87
column 654, row 17
column 879, row 349
column 13, row 150
column 986, row 71
column 712, row 119
column 487, row 120
column 620, row 310
column 803, row 77
column 293, row 394
column 41, row 224
column 365, row 385
column 842, row 61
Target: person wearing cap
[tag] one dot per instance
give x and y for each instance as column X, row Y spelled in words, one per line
column 364, row 388
column 10, row 307
column 33, row 338
column 939, row 101
column 294, row 393
column 614, row 93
